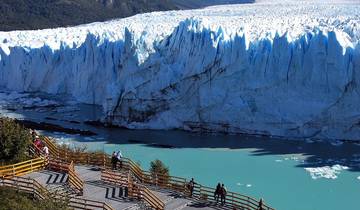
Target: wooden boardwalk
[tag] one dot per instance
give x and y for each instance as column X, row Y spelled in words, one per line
column 85, row 181
column 96, row 189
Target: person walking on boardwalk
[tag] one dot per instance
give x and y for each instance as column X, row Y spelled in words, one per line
column 261, row 203
column 38, row 143
column 223, row 192
column 113, row 161
column 46, row 151
column 118, row 157
column 191, row 186
column 217, row 192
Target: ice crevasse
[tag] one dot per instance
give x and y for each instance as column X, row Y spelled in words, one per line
column 242, row 68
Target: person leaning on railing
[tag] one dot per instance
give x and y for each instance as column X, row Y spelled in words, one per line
column 261, row 203
column 217, row 192
column 118, row 157
column 223, row 193
column 191, row 186
column 114, row 161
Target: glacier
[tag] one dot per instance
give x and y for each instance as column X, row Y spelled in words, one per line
column 278, row 68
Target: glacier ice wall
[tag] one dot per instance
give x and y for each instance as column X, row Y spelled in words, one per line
column 200, row 78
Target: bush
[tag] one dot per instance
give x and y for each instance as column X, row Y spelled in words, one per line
column 158, row 167
column 14, row 141
column 159, row 172
column 14, row 200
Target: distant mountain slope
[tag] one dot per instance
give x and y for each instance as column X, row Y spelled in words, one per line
column 190, row 4
column 38, row 14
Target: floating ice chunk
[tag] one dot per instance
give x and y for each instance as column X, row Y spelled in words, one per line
column 294, row 158
column 89, row 138
column 336, row 143
column 278, row 160
column 248, row 185
column 339, row 167
column 326, row 171
column 309, row 141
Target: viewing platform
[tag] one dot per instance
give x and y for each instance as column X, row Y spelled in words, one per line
column 86, row 181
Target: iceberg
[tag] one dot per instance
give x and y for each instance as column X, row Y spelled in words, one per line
column 326, row 171
column 287, row 68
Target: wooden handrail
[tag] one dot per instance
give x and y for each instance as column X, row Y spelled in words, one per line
column 151, row 198
column 23, row 168
column 112, row 177
column 74, row 179
column 29, row 185
column 135, row 190
column 26, row 184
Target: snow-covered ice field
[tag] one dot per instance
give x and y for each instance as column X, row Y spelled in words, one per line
column 285, row 68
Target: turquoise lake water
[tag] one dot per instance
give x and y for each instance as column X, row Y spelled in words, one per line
column 271, row 169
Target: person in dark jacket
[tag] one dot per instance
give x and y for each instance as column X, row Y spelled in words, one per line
column 223, row 192
column 114, row 161
column 191, row 186
column 261, row 203
column 217, row 192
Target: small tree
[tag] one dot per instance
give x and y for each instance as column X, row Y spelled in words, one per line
column 14, row 141
column 159, row 172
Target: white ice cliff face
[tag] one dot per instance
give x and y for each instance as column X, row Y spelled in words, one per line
column 286, row 69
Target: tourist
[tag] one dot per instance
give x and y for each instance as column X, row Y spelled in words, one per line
column 113, row 161
column 37, row 142
column 46, row 151
column 260, row 207
column 33, row 135
column 38, row 145
column 191, row 186
column 217, row 192
column 223, row 192
column 118, row 157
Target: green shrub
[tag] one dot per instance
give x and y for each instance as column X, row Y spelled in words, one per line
column 158, row 167
column 14, row 200
column 14, row 141
column 159, row 172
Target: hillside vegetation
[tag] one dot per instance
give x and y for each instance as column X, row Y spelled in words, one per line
column 192, row 4
column 14, row 141
column 39, row 14
column 15, row 200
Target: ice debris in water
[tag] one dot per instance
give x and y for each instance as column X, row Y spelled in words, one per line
column 326, row 171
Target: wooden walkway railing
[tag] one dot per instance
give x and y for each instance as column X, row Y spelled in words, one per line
column 151, row 198
column 116, row 178
column 23, row 168
column 81, row 203
column 135, row 190
column 31, row 186
column 26, row 185
column 74, row 180
column 178, row 184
